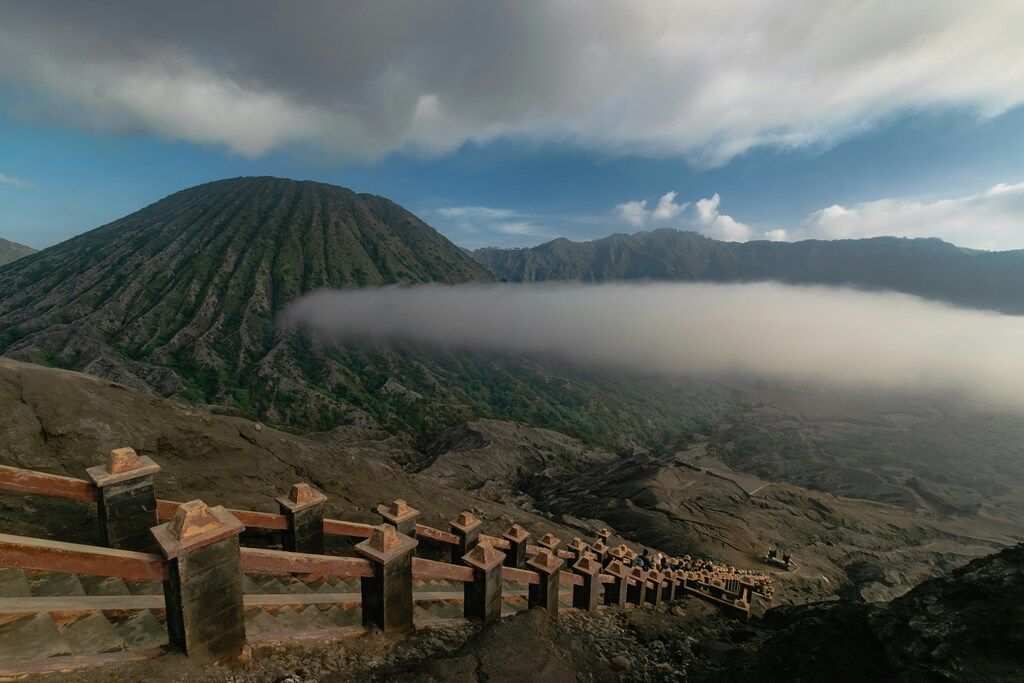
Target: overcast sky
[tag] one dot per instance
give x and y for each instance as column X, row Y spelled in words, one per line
column 515, row 122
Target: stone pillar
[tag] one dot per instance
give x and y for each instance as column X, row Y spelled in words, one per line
column 636, row 587
column 550, row 542
column 545, row 594
column 125, row 500
column 517, row 537
column 387, row 594
column 617, row 554
column 615, row 592
column 603, row 536
column 304, row 510
column 482, row 597
column 586, row 596
column 400, row 515
column 467, row 528
column 654, row 593
column 668, row 593
column 578, row 548
column 600, row 551
column 203, row 591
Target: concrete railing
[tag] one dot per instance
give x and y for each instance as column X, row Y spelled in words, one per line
column 200, row 560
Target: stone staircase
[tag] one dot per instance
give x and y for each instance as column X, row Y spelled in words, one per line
column 278, row 608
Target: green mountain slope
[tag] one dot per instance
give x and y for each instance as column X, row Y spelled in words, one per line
column 929, row 268
column 180, row 299
column 12, row 251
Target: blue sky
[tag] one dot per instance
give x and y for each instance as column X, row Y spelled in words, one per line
column 915, row 152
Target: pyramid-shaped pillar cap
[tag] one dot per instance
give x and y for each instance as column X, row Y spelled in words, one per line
column 385, row 544
column 599, row 548
column 604, row 533
column 545, row 561
column 577, row 544
column 549, row 541
column 122, row 464
column 466, row 522
column 587, row 566
column 398, row 511
column 194, row 525
column 301, row 497
column 484, row 557
column 516, row 534
column 617, row 569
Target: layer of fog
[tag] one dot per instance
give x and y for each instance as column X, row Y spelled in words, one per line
column 822, row 335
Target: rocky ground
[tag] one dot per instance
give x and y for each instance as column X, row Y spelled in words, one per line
column 968, row 625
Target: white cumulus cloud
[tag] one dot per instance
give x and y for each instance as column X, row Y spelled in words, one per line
column 993, row 219
column 701, row 216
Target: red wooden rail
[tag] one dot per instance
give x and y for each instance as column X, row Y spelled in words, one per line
column 38, row 554
column 499, row 543
column 337, row 527
column 436, row 534
column 519, row 575
column 165, row 510
column 431, row 570
column 261, row 561
column 27, row 481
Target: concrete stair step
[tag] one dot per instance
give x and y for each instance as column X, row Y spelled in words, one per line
column 249, row 586
column 268, row 585
column 145, row 587
column 52, row 584
column 293, row 585
column 142, row 631
column 13, row 584
column 259, row 622
column 92, row 634
column 35, row 637
column 310, row 618
column 343, row 617
column 322, row 587
column 103, row 585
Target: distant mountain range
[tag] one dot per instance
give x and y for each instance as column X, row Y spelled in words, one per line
column 928, row 268
column 12, row 251
column 181, row 299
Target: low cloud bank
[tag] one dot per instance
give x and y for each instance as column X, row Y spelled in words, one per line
column 841, row 337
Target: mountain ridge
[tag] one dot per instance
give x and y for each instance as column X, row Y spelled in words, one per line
column 927, row 267
column 12, row 251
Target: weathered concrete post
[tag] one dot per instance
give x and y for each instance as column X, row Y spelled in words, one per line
column 304, row 510
column 387, row 594
column 603, row 536
column 600, row 551
column 467, row 528
column 617, row 554
column 636, row 586
column 586, row 596
column 482, row 597
column 654, row 591
column 517, row 537
column 578, row 548
column 545, row 594
column 203, row 591
column 400, row 515
column 615, row 592
column 668, row 593
column 125, row 500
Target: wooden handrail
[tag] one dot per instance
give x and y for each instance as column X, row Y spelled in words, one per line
column 434, row 571
column 22, row 552
column 499, row 543
column 570, row 579
column 337, row 527
column 519, row 575
column 276, row 562
column 165, row 510
column 26, row 481
column 436, row 534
